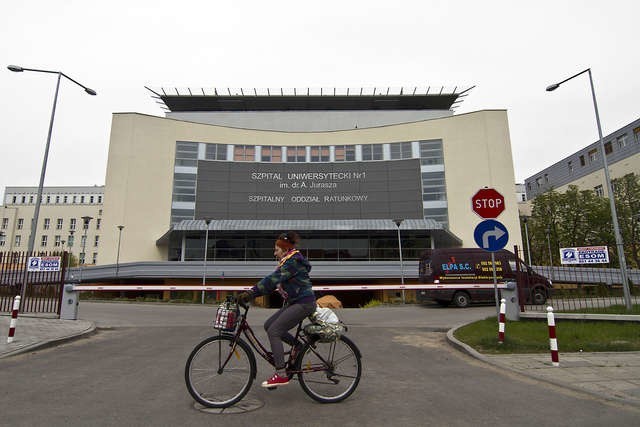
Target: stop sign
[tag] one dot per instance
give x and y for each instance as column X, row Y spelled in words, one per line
column 487, row 203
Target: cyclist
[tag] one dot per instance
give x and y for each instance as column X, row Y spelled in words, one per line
column 291, row 280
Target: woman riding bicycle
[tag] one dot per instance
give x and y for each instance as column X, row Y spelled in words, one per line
column 291, row 280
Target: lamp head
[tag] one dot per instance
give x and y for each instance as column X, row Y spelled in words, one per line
column 15, row 68
column 398, row 222
column 553, row 87
column 90, row 91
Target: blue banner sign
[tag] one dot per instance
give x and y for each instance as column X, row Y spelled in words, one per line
column 585, row 255
column 45, row 263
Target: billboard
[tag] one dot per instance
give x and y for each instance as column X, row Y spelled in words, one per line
column 364, row 190
column 585, row 255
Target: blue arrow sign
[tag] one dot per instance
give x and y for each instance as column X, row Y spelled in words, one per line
column 491, row 235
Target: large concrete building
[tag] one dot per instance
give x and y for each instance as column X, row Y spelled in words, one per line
column 231, row 169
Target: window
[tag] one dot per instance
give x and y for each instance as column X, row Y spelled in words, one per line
column 186, row 154
column 184, row 187
column 59, row 224
column 72, row 224
column 43, row 241
column 608, row 148
column 91, row 199
column 83, row 241
column 95, row 258
column 47, row 223
column 319, row 154
column 20, row 223
column 245, row 153
column 296, row 154
column 622, row 141
column 546, row 178
column 100, row 212
column 271, row 154
column 18, row 240
column 582, row 162
column 70, row 240
column 593, row 155
column 215, row 152
column 81, row 258
column 75, row 199
column 372, row 152
column 48, row 199
column 98, row 222
column 636, row 134
column 15, row 198
column 96, row 242
column 81, row 199
column 2, row 239
column 66, row 199
column 599, row 191
column 30, row 199
column 345, row 153
column 400, row 150
column 570, row 166
column 433, row 186
column 539, row 182
column 57, row 199
column 431, row 153
column 57, row 241
column 5, row 223
column 99, row 199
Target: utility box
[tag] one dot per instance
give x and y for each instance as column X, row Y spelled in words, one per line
column 512, row 304
column 69, row 306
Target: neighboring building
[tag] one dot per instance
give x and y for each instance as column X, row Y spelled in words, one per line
column 584, row 168
column 60, row 224
column 521, row 193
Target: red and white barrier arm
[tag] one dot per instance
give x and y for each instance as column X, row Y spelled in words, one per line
column 14, row 319
column 553, row 341
column 81, row 288
column 501, row 321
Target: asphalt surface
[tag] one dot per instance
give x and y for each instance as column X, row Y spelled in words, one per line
column 609, row 377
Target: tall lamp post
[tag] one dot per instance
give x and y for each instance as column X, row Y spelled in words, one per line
column 526, row 235
column 70, row 242
column 36, row 212
column 207, row 221
column 607, row 178
column 398, row 222
column 120, row 227
column 85, row 224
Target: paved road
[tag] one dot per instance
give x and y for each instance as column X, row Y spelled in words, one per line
column 131, row 373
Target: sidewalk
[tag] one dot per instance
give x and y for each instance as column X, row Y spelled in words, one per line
column 33, row 332
column 609, row 376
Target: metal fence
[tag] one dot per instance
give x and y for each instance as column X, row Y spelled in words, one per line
column 43, row 288
column 586, row 289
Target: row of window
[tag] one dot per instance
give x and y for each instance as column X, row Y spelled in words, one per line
column 58, row 199
column 592, row 156
column 46, row 223
column 58, row 241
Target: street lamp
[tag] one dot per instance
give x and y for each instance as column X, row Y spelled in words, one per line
column 398, row 222
column 120, row 227
column 607, row 178
column 36, row 212
column 85, row 223
column 526, row 234
column 207, row 221
column 70, row 241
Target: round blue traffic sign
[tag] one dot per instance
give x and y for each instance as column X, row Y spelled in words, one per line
column 491, row 235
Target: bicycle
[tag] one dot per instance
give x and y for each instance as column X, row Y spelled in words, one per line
column 221, row 369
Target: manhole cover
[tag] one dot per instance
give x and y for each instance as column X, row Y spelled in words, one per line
column 245, row 405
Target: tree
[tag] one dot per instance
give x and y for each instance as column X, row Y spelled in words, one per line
column 627, row 191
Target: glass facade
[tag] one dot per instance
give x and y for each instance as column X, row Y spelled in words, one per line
column 371, row 245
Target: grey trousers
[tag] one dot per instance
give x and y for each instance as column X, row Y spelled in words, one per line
column 278, row 326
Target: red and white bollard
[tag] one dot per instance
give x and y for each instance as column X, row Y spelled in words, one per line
column 503, row 309
column 553, row 341
column 14, row 319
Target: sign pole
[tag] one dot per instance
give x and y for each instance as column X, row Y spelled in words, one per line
column 495, row 282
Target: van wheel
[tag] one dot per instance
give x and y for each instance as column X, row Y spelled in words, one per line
column 539, row 296
column 461, row 299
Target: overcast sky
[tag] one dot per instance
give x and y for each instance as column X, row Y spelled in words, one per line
column 510, row 50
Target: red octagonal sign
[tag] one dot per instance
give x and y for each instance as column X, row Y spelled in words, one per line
column 487, row 203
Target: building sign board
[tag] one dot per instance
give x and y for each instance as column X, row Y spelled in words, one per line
column 346, row 190
column 585, row 255
column 45, row 263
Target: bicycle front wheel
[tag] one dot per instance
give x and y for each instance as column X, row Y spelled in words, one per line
column 329, row 372
column 219, row 375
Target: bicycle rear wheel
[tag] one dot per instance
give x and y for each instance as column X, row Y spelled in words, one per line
column 329, row 372
column 217, row 375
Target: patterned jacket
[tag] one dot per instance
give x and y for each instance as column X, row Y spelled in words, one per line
column 292, row 275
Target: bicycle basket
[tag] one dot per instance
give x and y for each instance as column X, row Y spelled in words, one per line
column 227, row 317
column 325, row 332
